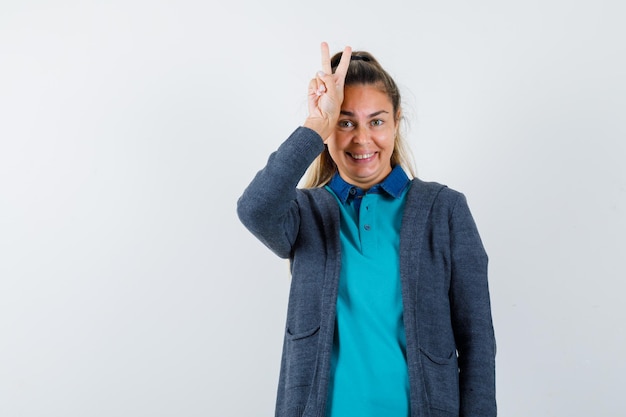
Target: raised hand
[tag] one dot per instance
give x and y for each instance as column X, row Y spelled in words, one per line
column 325, row 93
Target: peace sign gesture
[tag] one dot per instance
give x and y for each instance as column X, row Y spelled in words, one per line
column 326, row 94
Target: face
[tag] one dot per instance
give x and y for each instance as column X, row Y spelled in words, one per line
column 363, row 141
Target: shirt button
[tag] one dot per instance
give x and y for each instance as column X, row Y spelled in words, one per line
column 352, row 191
column 367, row 227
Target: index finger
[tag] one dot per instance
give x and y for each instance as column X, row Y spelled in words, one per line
column 326, row 67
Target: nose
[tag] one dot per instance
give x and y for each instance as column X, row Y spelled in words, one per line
column 361, row 135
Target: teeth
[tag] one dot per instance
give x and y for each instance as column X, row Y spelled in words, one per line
column 362, row 156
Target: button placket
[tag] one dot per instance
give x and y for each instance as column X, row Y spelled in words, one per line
column 368, row 208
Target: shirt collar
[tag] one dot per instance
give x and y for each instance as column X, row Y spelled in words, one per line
column 394, row 185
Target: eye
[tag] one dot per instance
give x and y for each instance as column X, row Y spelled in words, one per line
column 377, row 122
column 344, row 124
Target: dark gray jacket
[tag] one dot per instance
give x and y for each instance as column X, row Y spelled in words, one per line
column 443, row 267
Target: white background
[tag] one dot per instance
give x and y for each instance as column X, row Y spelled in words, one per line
column 128, row 129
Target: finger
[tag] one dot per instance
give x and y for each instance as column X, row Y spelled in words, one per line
column 344, row 63
column 312, row 87
column 321, row 82
column 317, row 87
column 326, row 67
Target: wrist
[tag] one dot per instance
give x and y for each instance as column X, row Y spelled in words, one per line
column 319, row 126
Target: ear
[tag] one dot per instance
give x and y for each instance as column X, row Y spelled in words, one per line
column 397, row 121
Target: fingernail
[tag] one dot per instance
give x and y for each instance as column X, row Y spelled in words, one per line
column 321, row 73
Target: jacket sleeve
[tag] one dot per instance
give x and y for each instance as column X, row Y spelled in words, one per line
column 268, row 206
column 471, row 315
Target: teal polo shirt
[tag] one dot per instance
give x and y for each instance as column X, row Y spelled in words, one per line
column 369, row 372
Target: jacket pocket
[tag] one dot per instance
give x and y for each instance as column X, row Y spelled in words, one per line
column 302, row 335
column 300, row 357
column 441, row 376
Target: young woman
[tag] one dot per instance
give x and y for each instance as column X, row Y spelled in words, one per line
column 389, row 312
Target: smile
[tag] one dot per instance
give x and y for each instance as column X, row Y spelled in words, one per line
column 361, row 156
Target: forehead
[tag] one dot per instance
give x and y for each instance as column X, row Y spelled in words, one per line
column 365, row 97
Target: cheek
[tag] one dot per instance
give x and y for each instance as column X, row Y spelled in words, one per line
column 338, row 135
column 387, row 140
column 336, row 142
column 333, row 150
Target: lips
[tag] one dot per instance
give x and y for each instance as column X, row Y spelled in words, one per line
column 361, row 156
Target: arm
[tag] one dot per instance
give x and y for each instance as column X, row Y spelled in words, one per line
column 471, row 315
column 268, row 207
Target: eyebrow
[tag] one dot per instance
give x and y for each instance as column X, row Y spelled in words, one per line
column 350, row 114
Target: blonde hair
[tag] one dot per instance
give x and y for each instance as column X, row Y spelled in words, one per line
column 364, row 69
